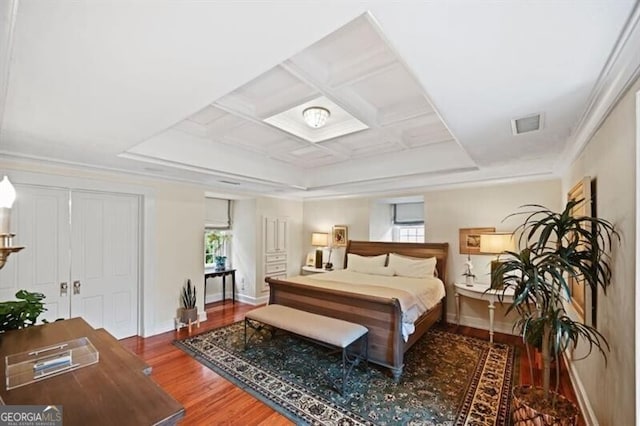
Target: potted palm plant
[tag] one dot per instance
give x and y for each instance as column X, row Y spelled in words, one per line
column 554, row 248
column 189, row 311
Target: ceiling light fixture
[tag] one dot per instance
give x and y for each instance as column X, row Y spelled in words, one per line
column 316, row 116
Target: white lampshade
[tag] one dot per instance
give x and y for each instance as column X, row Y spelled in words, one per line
column 316, row 116
column 497, row 243
column 319, row 239
column 7, row 193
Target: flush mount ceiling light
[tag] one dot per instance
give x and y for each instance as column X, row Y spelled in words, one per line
column 316, row 116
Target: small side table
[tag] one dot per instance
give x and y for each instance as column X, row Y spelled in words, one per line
column 308, row 270
column 223, row 274
column 482, row 291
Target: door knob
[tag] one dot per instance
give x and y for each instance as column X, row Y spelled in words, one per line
column 63, row 288
column 76, row 287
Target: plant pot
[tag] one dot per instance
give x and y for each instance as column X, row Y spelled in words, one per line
column 221, row 263
column 187, row 315
column 529, row 408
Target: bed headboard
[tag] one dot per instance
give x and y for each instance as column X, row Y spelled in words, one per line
column 374, row 248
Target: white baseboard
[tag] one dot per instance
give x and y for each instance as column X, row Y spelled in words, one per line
column 585, row 406
column 202, row 316
column 163, row 327
column 481, row 323
column 253, row 300
column 215, row 297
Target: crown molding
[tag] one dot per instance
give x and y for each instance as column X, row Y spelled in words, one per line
column 619, row 73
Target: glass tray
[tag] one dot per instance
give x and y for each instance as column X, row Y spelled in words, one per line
column 38, row 364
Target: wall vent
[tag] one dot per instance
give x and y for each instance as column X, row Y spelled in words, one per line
column 530, row 123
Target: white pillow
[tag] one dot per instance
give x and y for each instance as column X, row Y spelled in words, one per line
column 357, row 263
column 412, row 267
column 379, row 270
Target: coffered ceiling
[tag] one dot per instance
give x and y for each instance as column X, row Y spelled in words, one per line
column 420, row 93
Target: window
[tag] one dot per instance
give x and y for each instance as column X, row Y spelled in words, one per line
column 217, row 233
column 216, row 243
column 408, row 221
column 410, row 234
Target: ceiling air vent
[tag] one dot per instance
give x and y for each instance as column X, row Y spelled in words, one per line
column 228, row 182
column 530, row 123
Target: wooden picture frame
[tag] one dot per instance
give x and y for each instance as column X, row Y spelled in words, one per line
column 339, row 236
column 311, row 259
column 470, row 239
column 584, row 300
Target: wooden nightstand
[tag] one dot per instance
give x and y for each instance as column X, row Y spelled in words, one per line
column 309, row 270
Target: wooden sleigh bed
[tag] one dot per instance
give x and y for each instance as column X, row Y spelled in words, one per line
column 382, row 316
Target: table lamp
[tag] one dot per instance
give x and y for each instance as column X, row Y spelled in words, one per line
column 496, row 243
column 319, row 239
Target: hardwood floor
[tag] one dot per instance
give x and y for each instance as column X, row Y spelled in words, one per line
column 211, row 400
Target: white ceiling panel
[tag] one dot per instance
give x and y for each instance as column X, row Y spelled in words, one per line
column 274, row 91
column 207, row 115
column 252, row 135
column 393, row 87
column 363, row 144
column 425, row 134
column 187, row 85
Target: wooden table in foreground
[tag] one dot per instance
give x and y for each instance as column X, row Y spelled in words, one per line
column 115, row 391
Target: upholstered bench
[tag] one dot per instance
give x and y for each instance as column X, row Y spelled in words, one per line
column 331, row 331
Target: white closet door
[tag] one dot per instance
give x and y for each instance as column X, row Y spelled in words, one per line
column 104, row 271
column 270, row 235
column 40, row 220
column 282, row 234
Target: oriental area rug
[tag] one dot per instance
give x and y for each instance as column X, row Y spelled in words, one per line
column 448, row 379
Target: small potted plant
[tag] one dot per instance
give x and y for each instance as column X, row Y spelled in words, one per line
column 189, row 311
column 468, row 272
column 554, row 248
column 216, row 243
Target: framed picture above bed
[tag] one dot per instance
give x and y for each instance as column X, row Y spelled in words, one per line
column 470, row 239
column 340, row 236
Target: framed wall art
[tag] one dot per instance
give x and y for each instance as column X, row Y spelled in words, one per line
column 340, row 236
column 470, row 239
column 311, row 259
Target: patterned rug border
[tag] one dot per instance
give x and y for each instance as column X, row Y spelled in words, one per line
column 299, row 417
column 503, row 416
column 247, row 387
column 284, row 408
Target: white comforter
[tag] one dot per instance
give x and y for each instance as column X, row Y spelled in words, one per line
column 416, row 295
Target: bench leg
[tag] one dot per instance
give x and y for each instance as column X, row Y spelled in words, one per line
column 365, row 342
column 344, row 370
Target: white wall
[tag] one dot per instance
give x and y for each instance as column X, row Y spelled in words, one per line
column 610, row 159
column 380, row 221
column 179, row 235
column 321, row 216
column 245, row 242
column 449, row 210
column 446, row 211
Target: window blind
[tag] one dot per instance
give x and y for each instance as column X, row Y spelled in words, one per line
column 217, row 213
column 408, row 214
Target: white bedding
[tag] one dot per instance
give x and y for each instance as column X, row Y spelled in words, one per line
column 416, row 295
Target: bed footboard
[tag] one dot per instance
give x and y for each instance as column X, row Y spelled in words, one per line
column 383, row 317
